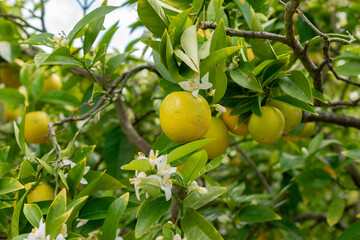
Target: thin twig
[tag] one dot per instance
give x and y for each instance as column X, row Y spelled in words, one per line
column 42, row 17
column 257, row 171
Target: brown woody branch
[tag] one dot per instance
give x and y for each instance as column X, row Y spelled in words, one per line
column 345, row 103
column 329, row 117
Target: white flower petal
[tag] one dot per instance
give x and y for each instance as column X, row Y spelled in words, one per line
column 83, row 181
column 195, row 93
column 87, row 169
column 188, row 86
column 205, row 85
column 66, row 162
column 220, row 108
column 177, row 237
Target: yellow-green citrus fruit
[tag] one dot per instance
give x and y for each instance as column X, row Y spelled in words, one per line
column 183, row 117
column 308, row 130
column 269, row 127
column 52, row 83
column 42, row 192
column 232, row 123
column 291, row 114
column 9, row 75
column 220, row 133
column 11, row 114
column 36, row 127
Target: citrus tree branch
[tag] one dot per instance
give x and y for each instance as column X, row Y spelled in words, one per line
column 329, row 117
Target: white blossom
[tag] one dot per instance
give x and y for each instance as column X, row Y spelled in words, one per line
column 59, row 40
column 194, row 86
column 160, row 238
column 220, row 108
column 165, row 184
column 117, row 234
column 136, row 182
column 164, row 168
column 195, row 186
column 178, row 237
column 40, row 234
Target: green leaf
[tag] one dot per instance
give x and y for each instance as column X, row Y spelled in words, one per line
column 75, row 175
column 216, row 57
column 161, row 68
column 11, row 96
column 90, row 187
column 273, row 70
column 218, row 77
column 58, row 224
column 193, row 166
column 152, row 16
column 296, row 103
column 196, row 226
column 150, row 214
column 60, row 97
column 188, row 148
column 218, row 40
column 105, row 40
column 40, row 39
column 313, row 178
column 112, row 219
column 116, row 61
column 289, row 87
column 107, row 182
column 60, row 56
column 57, row 208
column 335, row 211
column 214, row 163
column 258, row 213
column 315, row 143
column 190, row 45
column 353, row 154
column 215, row 12
column 186, row 59
column 169, row 58
column 196, row 200
column 349, row 69
column 118, row 151
column 33, row 214
column 96, row 208
column 92, row 31
column 302, row 83
column 260, row 47
column 318, row 95
column 352, row 232
column 84, row 152
column 138, row 164
column 178, row 24
column 92, row 16
column 27, row 172
column 244, row 7
column 8, row 185
column 76, row 207
column 16, row 217
column 245, row 78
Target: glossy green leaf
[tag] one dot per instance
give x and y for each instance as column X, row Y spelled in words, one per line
column 294, row 232
column 33, row 214
column 96, row 208
column 352, row 232
column 218, row 78
column 107, row 182
column 258, row 213
column 196, row 226
column 335, row 211
column 288, row 161
column 138, row 164
column 84, row 152
column 92, row 16
column 40, row 39
column 193, row 165
column 76, row 207
column 150, row 214
column 214, row 163
column 151, row 186
column 112, row 219
column 245, row 79
column 178, row 24
column 349, row 69
column 218, row 40
column 75, row 175
column 187, row 148
column 57, row 208
column 318, row 95
column 90, row 187
column 315, row 143
column 152, row 16
column 190, row 45
column 92, row 31
column 8, row 185
column 302, row 83
column 196, row 200
column 16, row 217
column 290, row 88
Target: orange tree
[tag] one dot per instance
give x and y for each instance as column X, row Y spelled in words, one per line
column 284, row 76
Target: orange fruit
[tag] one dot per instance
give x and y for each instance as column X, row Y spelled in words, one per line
column 36, row 127
column 291, row 114
column 52, row 83
column 268, row 128
column 220, row 133
column 308, row 130
column 232, row 123
column 183, row 117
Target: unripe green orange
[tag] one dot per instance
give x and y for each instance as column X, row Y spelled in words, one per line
column 308, row 130
column 291, row 114
column 268, row 128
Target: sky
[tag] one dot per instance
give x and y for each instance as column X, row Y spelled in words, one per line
column 62, row 15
